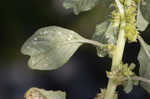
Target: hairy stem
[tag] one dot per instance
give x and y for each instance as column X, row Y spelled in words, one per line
column 88, row 41
column 141, row 79
column 117, row 57
column 118, row 54
column 96, row 43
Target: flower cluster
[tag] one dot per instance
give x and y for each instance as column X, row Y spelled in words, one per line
column 116, row 17
column 130, row 12
column 131, row 32
column 122, row 72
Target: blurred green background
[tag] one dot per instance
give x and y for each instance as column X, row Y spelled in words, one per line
column 81, row 77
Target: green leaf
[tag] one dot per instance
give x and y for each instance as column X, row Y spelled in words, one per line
column 80, row 5
column 128, row 86
column 105, row 34
column 102, row 51
column 144, row 60
column 51, row 47
column 36, row 93
column 145, row 6
column 141, row 22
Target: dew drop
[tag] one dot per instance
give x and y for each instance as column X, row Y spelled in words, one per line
column 32, row 62
column 45, row 32
column 107, row 36
column 28, row 47
column 59, row 33
column 70, row 37
column 35, row 39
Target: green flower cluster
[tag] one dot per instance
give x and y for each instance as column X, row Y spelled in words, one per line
column 122, row 72
column 116, row 17
column 131, row 32
column 130, row 12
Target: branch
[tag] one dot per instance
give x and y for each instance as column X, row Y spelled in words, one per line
column 141, row 79
column 96, row 43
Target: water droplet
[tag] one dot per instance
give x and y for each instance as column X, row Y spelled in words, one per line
column 35, row 39
column 28, row 47
column 107, row 36
column 32, row 62
column 70, row 37
column 59, row 33
column 45, row 32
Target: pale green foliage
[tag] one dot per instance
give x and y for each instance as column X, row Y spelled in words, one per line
column 128, row 86
column 106, row 34
column 80, row 5
column 36, row 93
column 144, row 59
column 145, row 7
column 85, row 5
column 141, row 23
column 51, row 47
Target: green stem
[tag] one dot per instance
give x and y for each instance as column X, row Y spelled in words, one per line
column 117, row 58
column 141, row 79
column 118, row 54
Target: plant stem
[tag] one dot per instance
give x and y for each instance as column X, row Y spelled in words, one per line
column 118, row 54
column 117, row 57
column 96, row 43
column 88, row 41
column 141, row 79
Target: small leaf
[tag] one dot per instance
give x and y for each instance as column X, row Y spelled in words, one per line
column 101, row 51
column 141, row 22
column 36, row 93
column 145, row 6
column 80, row 5
column 128, row 86
column 51, row 47
column 144, row 60
column 105, row 34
